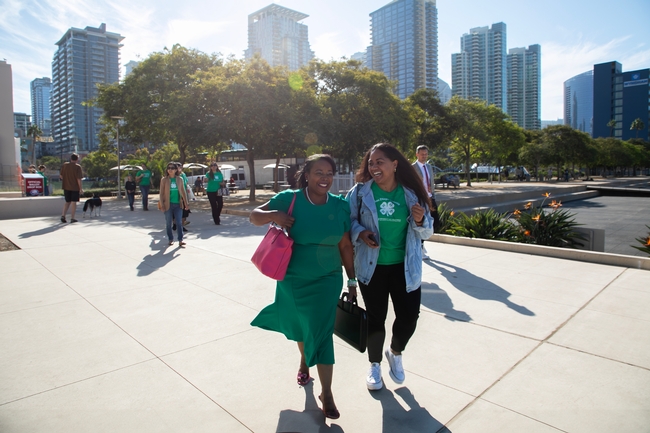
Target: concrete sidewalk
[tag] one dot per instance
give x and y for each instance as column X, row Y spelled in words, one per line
column 104, row 328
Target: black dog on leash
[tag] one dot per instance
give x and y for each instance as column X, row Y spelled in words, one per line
column 93, row 204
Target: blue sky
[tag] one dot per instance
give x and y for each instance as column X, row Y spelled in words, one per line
column 574, row 35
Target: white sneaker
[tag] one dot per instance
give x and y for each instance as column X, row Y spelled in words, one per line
column 396, row 369
column 373, row 380
column 424, row 254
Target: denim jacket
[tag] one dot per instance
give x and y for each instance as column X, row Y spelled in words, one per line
column 365, row 258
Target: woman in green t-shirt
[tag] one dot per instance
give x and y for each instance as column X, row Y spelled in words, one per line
column 389, row 218
column 173, row 199
column 215, row 180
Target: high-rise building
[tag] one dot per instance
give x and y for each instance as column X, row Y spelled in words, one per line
column 9, row 150
column 40, row 93
column 276, row 35
column 524, row 86
column 128, row 67
column 479, row 70
column 579, row 102
column 404, row 44
column 84, row 59
column 622, row 97
column 22, row 122
column 360, row 57
column 444, row 91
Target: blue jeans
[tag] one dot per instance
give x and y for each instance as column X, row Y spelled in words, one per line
column 131, row 197
column 175, row 211
column 144, row 190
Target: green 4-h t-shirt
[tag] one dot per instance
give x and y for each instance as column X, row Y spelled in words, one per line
column 146, row 177
column 174, row 195
column 393, row 213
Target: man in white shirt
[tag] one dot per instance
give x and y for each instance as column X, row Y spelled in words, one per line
column 424, row 169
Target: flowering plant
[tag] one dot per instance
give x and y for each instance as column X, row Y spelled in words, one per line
column 645, row 243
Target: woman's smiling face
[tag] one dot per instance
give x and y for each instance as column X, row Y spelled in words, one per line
column 320, row 176
column 381, row 168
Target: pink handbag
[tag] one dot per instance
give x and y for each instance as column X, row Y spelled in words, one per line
column 273, row 254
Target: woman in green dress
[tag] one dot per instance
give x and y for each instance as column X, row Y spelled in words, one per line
column 305, row 301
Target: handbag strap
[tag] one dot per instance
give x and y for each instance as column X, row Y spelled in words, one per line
column 292, row 202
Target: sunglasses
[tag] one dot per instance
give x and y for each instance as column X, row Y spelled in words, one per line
column 171, row 168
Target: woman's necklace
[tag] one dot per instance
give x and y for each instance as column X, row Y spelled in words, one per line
column 327, row 197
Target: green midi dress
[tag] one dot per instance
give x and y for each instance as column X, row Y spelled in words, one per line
column 305, row 301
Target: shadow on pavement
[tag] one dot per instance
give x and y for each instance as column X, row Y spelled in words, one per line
column 476, row 287
column 436, row 299
column 397, row 419
column 309, row 420
column 43, row 231
column 164, row 255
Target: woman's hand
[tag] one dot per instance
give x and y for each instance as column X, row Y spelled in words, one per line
column 417, row 212
column 352, row 293
column 283, row 220
column 367, row 237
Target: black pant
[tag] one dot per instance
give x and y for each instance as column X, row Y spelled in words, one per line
column 389, row 280
column 216, row 203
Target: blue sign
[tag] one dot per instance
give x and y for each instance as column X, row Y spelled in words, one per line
column 636, row 82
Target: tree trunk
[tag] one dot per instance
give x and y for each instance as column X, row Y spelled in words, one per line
column 276, row 173
column 181, row 151
column 467, row 173
column 250, row 159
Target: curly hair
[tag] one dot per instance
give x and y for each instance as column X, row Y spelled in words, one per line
column 300, row 176
column 405, row 174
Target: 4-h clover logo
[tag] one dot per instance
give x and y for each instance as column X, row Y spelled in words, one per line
column 387, row 208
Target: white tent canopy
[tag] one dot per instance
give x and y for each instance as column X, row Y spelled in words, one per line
column 226, row 167
column 279, row 166
column 191, row 165
column 127, row 167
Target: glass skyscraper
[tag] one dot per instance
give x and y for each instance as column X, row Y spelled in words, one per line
column 524, row 86
column 404, row 44
column 276, row 35
column 579, row 102
column 479, row 70
column 84, row 59
column 622, row 97
column 40, row 93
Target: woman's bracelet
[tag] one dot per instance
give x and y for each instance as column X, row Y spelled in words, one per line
column 352, row 282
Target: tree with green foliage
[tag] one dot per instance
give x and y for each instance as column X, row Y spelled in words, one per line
column 430, row 119
column 565, row 145
column 611, row 125
column 98, row 164
column 467, row 119
column 637, row 125
column 35, row 132
column 503, row 138
column 359, row 109
column 158, row 99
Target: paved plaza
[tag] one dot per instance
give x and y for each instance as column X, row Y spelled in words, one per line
column 105, row 328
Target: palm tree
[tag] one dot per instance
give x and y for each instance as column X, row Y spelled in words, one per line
column 611, row 124
column 638, row 125
column 34, row 131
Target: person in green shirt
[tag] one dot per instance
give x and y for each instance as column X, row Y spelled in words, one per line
column 214, row 179
column 144, row 178
column 173, row 200
column 41, row 171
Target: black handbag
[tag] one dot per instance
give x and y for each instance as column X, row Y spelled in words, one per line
column 351, row 324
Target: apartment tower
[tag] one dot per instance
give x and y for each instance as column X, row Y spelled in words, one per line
column 579, row 102
column 276, row 35
column 404, row 44
column 84, row 58
column 479, row 70
column 524, row 86
column 40, row 89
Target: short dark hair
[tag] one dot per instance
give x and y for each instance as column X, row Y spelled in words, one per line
column 300, row 176
column 74, row 157
column 421, row 147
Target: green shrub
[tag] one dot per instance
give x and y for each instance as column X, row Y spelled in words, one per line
column 483, row 225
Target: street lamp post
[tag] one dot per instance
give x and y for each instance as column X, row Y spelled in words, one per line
column 119, row 177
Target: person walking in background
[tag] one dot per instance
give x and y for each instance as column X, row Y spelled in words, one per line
column 389, row 217
column 71, row 176
column 186, row 210
column 129, row 187
column 46, row 187
column 144, row 178
column 215, row 183
column 425, row 171
column 173, row 199
column 305, row 301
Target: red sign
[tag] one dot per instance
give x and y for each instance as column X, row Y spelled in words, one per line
column 32, row 184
